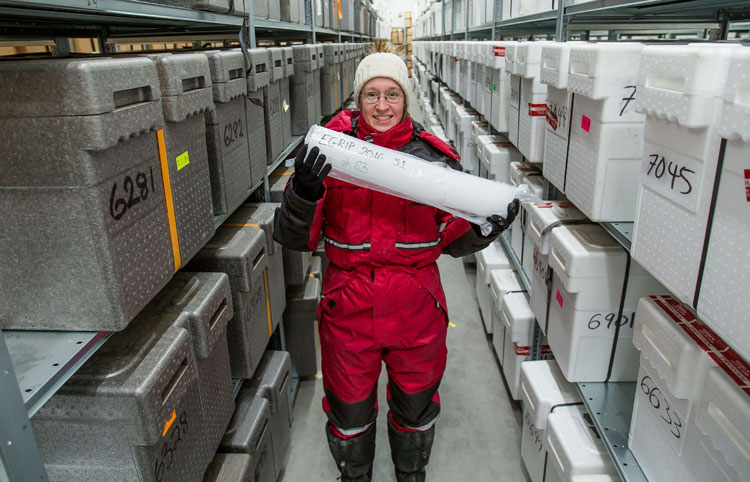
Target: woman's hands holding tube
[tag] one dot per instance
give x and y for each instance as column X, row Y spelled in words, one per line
column 309, row 173
column 500, row 223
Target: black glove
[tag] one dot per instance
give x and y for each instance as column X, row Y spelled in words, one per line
column 499, row 223
column 309, row 174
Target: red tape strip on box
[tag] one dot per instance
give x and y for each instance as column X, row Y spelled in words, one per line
column 552, row 119
column 747, row 184
column 499, row 51
column 726, row 358
column 538, row 110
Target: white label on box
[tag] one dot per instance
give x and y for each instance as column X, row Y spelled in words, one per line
column 673, row 175
column 668, row 419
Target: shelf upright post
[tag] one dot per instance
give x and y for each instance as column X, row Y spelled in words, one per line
column 560, row 34
column 310, row 18
column 442, row 18
column 19, row 453
column 496, row 14
column 466, row 16
column 453, row 18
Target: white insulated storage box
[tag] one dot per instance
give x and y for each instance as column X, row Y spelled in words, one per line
column 543, row 390
column 498, row 157
column 680, row 160
column 141, row 392
column 723, row 303
column 72, row 268
column 692, row 407
column 249, row 432
column 502, row 282
column 257, row 80
column 606, row 135
column 541, row 220
column 518, row 320
column 464, row 117
column 554, row 74
column 227, row 130
column 576, row 451
column 594, row 292
column 489, row 259
column 240, row 252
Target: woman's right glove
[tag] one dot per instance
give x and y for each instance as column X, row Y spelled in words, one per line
column 309, row 174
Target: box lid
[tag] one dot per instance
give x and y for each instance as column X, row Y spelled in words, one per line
column 518, row 318
column 574, row 445
column 68, row 87
column 586, row 251
column 544, row 388
column 543, row 217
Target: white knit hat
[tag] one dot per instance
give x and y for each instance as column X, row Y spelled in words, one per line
column 381, row 64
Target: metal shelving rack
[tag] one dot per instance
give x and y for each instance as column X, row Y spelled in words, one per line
column 34, row 364
column 609, row 404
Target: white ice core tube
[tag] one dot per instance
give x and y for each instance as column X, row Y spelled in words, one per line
column 392, row 172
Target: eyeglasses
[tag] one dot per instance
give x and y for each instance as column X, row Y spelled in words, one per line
column 392, row 97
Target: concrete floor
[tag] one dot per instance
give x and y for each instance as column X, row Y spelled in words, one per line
column 478, row 435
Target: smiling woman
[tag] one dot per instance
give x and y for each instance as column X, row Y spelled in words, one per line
column 382, row 301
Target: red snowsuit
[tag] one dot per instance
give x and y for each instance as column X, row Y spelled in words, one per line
column 382, row 296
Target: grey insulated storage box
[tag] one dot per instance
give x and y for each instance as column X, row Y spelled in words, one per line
column 316, row 80
column 328, row 93
column 261, row 215
column 290, row 11
column 257, row 80
column 80, row 193
column 186, row 94
column 201, row 303
column 230, row 468
column 260, row 8
column 230, row 7
column 304, row 91
column 131, row 412
column 287, row 60
column 240, row 252
column 274, row 10
column 278, row 181
column 299, row 324
column 272, row 381
column 249, row 432
column 272, row 106
column 227, row 131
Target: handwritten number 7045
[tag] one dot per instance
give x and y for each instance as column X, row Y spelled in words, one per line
column 658, row 166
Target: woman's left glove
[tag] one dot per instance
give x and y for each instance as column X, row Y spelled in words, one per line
column 500, row 223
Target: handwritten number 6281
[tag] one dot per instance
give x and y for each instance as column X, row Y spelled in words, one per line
column 134, row 192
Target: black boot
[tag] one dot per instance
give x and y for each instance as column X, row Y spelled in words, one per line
column 410, row 452
column 353, row 456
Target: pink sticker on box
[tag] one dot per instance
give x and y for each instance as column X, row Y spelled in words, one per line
column 559, row 298
column 585, row 123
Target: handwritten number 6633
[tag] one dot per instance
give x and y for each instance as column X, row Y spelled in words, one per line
column 657, row 401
